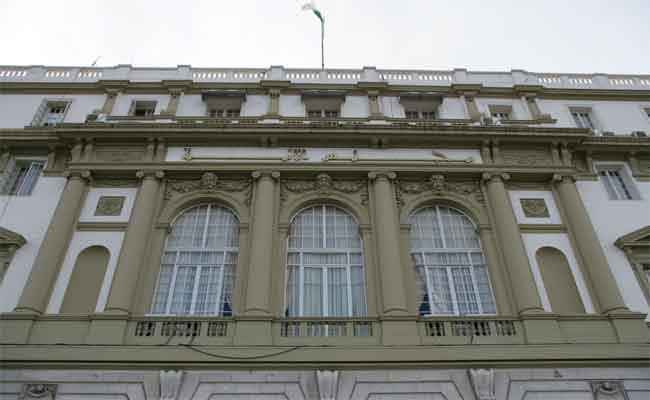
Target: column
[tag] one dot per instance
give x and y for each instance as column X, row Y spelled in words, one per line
column 274, row 104
column 109, row 103
column 589, row 246
column 48, row 261
column 373, row 100
column 258, row 293
column 174, row 98
column 386, row 229
column 472, row 107
column 120, row 299
column 512, row 245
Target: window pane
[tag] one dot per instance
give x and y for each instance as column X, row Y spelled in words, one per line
column 484, row 289
column 465, row 296
column 422, row 296
column 206, row 298
column 337, row 292
column 182, row 297
column 162, row 293
column 440, row 293
column 358, row 291
column 313, row 292
column 293, row 293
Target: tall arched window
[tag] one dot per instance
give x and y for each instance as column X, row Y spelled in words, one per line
column 198, row 265
column 325, row 264
column 451, row 271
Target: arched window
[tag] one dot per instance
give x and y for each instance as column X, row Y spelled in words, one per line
column 451, row 271
column 325, row 264
column 198, row 265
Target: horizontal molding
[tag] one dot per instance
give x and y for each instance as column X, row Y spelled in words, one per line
column 542, row 228
column 102, row 226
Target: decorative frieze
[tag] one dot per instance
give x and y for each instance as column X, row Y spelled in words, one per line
column 119, row 154
column 43, row 391
column 526, row 156
column 438, row 184
column 325, row 184
column 208, row 183
column 109, row 206
column 534, row 208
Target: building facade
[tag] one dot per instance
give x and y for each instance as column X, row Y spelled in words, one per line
column 195, row 233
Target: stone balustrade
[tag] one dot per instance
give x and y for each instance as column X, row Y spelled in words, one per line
column 45, row 74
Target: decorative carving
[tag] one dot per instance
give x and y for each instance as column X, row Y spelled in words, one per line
column 109, row 205
column 608, row 388
column 324, row 184
column 437, row 184
column 483, row 383
column 534, row 208
column 328, row 382
column 526, row 156
column 45, row 391
column 170, row 384
column 208, row 183
column 119, row 155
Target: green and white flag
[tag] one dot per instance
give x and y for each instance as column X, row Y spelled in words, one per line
column 311, row 6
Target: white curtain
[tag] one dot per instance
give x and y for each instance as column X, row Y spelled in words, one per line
column 451, row 272
column 198, row 267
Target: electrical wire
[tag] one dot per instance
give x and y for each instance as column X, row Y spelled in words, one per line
column 191, row 347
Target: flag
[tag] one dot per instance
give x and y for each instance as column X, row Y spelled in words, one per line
column 311, row 6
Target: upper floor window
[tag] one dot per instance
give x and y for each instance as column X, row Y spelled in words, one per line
column 617, row 183
column 322, row 113
column 224, row 113
column 325, row 265
column 20, row 177
column 450, row 267
column 51, row 112
column 583, row 117
column 501, row 112
column 198, row 266
column 143, row 108
column 419, row 114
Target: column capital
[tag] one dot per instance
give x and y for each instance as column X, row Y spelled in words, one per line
column 379, row 175
column 559, row 178
column 149, row 175
column 77, row 175
column 490, row 176
column 266, row 174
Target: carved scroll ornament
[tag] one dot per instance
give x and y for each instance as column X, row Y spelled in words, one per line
column 324, row 184
column 208, row 183
column 438, row 184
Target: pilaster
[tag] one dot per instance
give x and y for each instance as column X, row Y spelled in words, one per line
column 131, row 259
column 512, row 245
column 589, row 246
column 48, row 261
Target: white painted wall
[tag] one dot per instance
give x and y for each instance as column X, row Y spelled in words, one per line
column 255, row 105
column 18, row 110
column 620, row 117
column 535, row 241
column 453, row 107
column 292, row 106
column 90, row 205
column 123, row 102
column 390, row 107
column 191, row 105
column 355, row 107
column 517, row 195
column 29, row 216
column 80, row 241
column 613, row 219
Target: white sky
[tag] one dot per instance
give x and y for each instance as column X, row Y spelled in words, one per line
column 543, row 35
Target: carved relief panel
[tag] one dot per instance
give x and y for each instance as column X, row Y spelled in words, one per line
column 440, row 185
column 354, row 189
column 209, row 182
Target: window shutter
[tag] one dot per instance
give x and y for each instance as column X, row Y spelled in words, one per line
column 132, row 108
column 40, row 112
column 68, row 103
column 30, row 179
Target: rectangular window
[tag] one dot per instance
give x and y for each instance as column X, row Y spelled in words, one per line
column 143, row 108
column 647, row 112
column 224, row 113
column 617, row 184
column 583, row 118
column 501, row 112
column 322, row 113
column 20, row 177
column 418, row 114
column 51, row 112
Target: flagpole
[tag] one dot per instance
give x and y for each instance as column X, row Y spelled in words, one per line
column 322, row 44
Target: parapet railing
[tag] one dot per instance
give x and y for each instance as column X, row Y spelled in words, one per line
column 47, row 74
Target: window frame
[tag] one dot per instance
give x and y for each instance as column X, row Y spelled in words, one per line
column 323, row 113
column 448, row 269
column 497, row 110
column 9, row 180
column 626, row 180
column 41, row 116
column 225, row 250
column 134, row 107
column 347, row 266
column 589, row 112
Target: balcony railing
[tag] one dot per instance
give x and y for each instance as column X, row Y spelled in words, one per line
column 334, row 76
column 161, row 330
column 470, row 330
